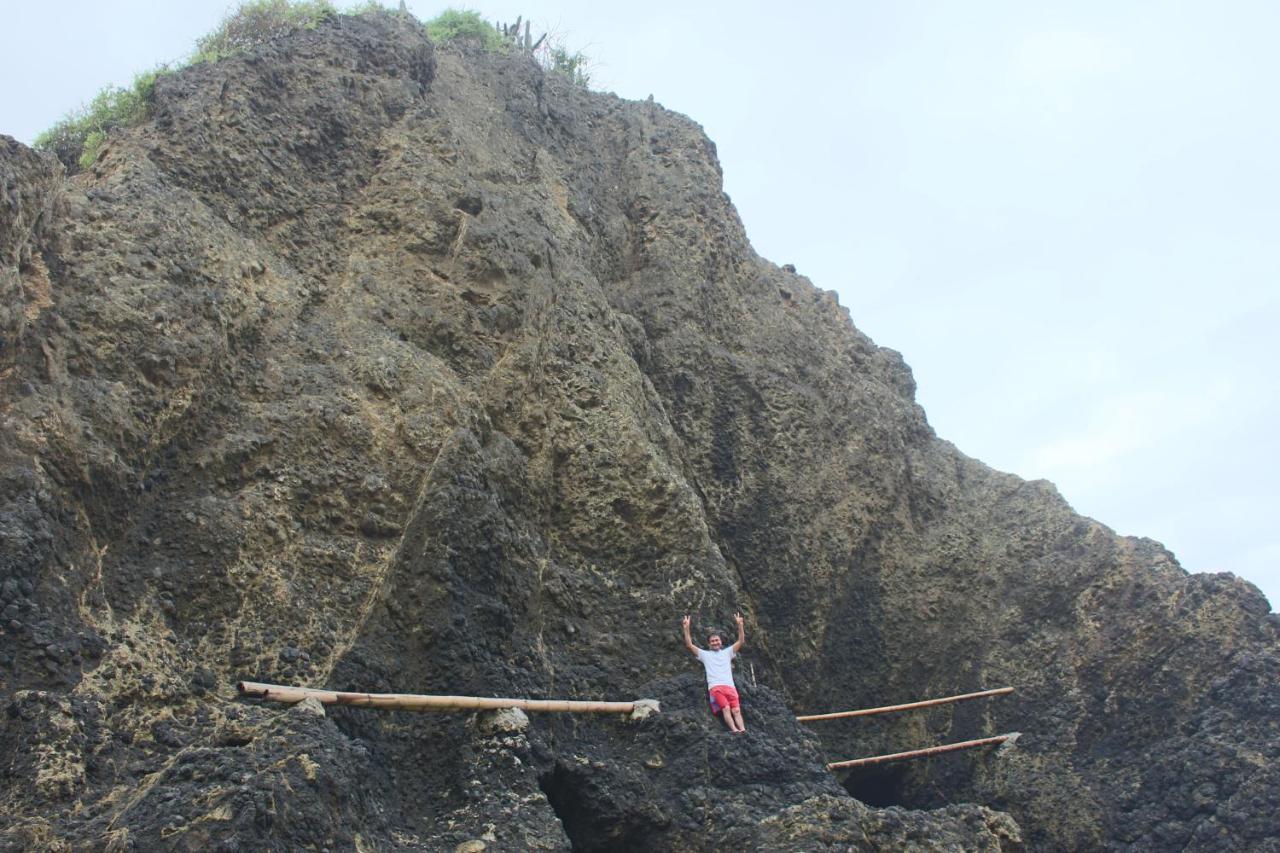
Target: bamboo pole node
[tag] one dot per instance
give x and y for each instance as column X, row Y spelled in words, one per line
column 418, row 702
column 1006, row 739
column 889, row 709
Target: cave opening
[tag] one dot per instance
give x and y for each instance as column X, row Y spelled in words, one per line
column 592, row 824
column 879, row 787
column 568, row 806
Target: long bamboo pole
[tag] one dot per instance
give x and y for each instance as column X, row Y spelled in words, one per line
column 918, row 753
column 416, row 702
column 887, row 709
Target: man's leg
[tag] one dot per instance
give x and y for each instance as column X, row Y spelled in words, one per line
column 728, row 719
column 737, row 716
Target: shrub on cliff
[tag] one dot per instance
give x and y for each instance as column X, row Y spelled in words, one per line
column 549, row 52
column 369, row 7
column 465, row 26
column 558, row 60
column 77, row 138
column 258, row 22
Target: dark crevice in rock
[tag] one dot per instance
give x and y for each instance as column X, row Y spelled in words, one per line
column 559, row 789
column 878, row 786
column 589, row 827
column 469, row 204
column 593, row 818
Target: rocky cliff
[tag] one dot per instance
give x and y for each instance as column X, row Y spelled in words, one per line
column 378, row 365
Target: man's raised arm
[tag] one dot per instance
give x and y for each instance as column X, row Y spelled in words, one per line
column 737, row 617
column 688, row 641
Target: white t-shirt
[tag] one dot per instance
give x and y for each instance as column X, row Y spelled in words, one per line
column 718, row 666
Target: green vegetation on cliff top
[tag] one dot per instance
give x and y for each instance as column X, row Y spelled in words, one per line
column 79, row 136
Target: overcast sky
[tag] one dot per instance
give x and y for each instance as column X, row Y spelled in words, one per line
column 1066, row 215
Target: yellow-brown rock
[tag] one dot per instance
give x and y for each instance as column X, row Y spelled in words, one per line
column 376, row 365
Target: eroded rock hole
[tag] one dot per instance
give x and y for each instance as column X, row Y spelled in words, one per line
column 877, row 786
column 593, row 822
column 469, row 204
column 559, row 788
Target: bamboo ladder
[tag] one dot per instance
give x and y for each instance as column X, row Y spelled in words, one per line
column 915, row 753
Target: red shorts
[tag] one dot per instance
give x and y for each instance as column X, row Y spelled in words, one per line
column 723, row 696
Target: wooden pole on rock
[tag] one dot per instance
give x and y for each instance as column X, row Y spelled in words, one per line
column 888, row 709
column 415, row 702
column 919, row 753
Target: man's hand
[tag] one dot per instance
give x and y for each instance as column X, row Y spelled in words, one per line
column 688, row 641
column 737, row 617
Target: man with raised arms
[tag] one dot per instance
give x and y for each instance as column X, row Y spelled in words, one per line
column 718, row 662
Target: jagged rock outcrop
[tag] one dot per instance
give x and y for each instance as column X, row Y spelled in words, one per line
column 378, row 366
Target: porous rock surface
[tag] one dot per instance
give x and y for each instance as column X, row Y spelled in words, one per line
column 375, row 365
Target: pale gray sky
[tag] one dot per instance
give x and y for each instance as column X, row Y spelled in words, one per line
column 1064, row 214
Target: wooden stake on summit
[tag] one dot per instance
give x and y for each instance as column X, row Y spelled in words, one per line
column 888, row 709
column 920, row 753
column 416, row 702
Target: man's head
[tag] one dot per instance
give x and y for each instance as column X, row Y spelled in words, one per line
column 715, row 642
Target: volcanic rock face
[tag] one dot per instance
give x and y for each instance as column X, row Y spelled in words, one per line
column 379, row 366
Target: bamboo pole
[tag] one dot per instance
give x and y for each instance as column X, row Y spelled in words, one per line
column 918, row 753
column 415, row 702
column 887, row 709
